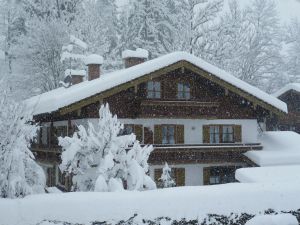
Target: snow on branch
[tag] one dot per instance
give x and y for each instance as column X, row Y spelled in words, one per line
column 102, row 160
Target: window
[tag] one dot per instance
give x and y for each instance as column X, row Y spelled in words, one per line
column 128, row 129
column 177, row 174
column 214, row 134
column 227, row 135
column 136, row 129
column 153, row 89
column 219, row 175
column 168, row 134
column 183, row 91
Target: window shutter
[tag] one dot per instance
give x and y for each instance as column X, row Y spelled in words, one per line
column 180, row 176
column 179, row 134
column 157, row 134
column 138, row 130
column 157, row 176
column 148, row 136
column 237, row 133
column 206, row 175
column 206, row 134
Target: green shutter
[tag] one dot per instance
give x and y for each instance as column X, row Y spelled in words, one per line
column 206, row 134
column 237, row 133
column 206, row 175
column 157, row 134
column 180, row 176
column 179, row 134
column 138, row 130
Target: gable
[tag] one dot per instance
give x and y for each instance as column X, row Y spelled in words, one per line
column 181, row 65
column 65, row 100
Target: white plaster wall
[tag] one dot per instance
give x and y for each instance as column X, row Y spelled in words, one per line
column 193, row 127
column 193, row 172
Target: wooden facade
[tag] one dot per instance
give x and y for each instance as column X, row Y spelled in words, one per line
column 291, row 121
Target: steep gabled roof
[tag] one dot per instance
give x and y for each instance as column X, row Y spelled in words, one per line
column 63, row 97
column 288, row 87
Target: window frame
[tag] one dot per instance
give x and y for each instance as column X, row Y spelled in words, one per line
column 229, row 138
column 169, row 135
column 153, row 89
column 183, row 91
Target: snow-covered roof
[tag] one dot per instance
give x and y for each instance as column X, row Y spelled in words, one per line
column 272, row 174
column 61, row 97
column 138, row 53
column 279, row 148
column 78, row 42
column 93, row 59
column 70, row 72
column 288, row 87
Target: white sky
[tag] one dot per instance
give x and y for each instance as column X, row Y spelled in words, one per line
column 287, row 9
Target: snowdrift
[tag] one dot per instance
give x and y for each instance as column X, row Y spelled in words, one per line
column 175, row 203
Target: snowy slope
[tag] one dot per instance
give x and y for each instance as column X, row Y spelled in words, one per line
column 289, row 87
column 177, row 203
column 56, row 99
column 279, row 148
column 272, row 174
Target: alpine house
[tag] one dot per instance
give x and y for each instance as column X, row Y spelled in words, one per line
column 200, row 119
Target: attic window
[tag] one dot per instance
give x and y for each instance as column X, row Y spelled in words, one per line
column 153, row 89
column 183, row 91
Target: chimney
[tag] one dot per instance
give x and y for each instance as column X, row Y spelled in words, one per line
column 94, row 63
column 74, row 76
column 132, row 58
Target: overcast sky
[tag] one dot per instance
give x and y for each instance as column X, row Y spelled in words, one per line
column 287, row 9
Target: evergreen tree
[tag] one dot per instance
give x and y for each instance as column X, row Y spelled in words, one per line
column 166, row 178
column 20, row 175
column 101, row 159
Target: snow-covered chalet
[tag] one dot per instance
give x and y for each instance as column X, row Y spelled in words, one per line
column 200, row 119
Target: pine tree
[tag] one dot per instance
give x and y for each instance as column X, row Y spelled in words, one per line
column 149, row 26
column 166, row 178
column 101, row 159
column 20, row 175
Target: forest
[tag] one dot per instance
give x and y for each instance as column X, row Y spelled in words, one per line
column 248, row 41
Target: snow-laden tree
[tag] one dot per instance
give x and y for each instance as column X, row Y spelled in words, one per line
column 166, row 179
column 20, row 175
column 293, row 52
column 96, row 24
column 195, row 22
column 262, row 48
column 147, row 24
column 101, row 160
column 39, row 52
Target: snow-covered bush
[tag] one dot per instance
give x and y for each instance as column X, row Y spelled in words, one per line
column 20, row 175
column 166, row 178
column 102, row 160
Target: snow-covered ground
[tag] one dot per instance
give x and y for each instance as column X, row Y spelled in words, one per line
column 176, row 203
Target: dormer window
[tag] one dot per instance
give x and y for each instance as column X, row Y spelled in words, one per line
column 183, row 91
column 153, row 89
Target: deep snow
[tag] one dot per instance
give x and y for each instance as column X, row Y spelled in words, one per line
column 176, row 203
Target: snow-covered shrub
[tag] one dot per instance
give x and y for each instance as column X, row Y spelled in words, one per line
column 101, row 160
column 20, row 175
column 166, row 178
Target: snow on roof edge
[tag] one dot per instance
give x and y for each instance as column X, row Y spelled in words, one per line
column 106, row 81
column 286, row 88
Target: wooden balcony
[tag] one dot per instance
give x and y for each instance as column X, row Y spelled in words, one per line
column 183, row 153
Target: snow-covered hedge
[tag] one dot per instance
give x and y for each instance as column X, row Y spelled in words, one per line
column 211, row 219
